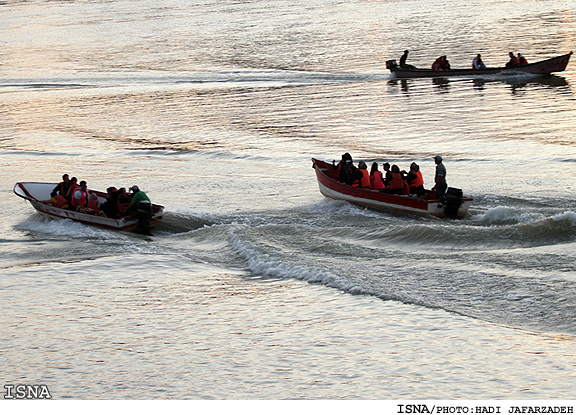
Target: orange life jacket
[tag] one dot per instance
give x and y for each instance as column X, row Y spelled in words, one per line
column 82, row 201
column 122, row 203
column 365, row 181
column 418, row 180
column 397, row 182
column 60, row 201
column 437, row 65
column 93, row 204
column 376, row 182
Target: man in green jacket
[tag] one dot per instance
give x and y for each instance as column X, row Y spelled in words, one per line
column 137, row 196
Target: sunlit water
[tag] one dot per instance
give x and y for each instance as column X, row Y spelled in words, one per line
column 255, row 286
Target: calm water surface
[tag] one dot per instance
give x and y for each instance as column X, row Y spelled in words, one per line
column 255, row 286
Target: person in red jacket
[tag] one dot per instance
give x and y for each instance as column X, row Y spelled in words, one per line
column 396, row 185
column 376, row 179
column 360, row 177
column 522, row 60
column 514, row 61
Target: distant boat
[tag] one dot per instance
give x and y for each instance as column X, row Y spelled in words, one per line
column 545, row 67
column 327, row 175
column 38, row 195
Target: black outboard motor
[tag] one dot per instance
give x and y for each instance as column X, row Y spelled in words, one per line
column 391, row 64
column 144, row 215
column 453, row 198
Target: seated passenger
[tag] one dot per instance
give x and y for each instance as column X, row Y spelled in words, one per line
column 343, row 167
column 415, row 180
column 360, row 177
column 522, row 60
column 122, row 202
column 444, row 64
column 396, row 185
column 109, row 206
column 80, row 198
column 71, row 189
column 437, row 65
column 403, row 63
column 376, row 180
column 477, row 63
column 514, row 61
column 388, row 174
column 62, row 187
column 93, row 203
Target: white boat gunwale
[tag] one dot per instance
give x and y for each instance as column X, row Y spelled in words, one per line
column 38, row 194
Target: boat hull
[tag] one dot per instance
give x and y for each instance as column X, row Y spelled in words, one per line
column 331, row 188
column 38, row 193
column 546, row 67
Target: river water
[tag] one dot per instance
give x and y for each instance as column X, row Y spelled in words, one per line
column 255, row 286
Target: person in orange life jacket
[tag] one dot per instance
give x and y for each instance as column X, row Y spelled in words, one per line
column 514, row 61
column 415, row 180
column 62, row 187
column 396, row 185
column 440, row 179
column 360, row 177
column 93, row 203
column 522, row 60
column 355, row 176
column 122, row 202
column 477, row 63
column 376, row 180
column 71, row 189
column 80, row 197
column 343, row 167
column 437, row 65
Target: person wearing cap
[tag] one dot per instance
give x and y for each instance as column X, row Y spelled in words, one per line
column 137, row 196
column 440, row 185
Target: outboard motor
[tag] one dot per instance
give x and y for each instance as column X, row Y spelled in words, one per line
column 453, row 201
column 391, row 64
column 144, row 215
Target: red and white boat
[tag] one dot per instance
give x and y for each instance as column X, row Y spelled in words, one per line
column 38, row 195
column 330, row 187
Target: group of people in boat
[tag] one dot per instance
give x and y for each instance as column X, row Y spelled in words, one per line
column 69, row 194
column 442, row 64
column 392, row 180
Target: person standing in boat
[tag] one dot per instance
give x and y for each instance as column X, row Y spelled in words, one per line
column 403, row 63
column 440, row 185
column 477, row 63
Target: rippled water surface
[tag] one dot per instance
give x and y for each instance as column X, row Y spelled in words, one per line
column 255, row 286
